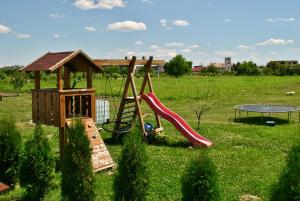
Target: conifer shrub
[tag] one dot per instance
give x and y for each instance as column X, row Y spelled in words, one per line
column 131, row 180
column 77, row 173
column 199, row 182
column 288, row 187
column 10, row 147
column 37, row 166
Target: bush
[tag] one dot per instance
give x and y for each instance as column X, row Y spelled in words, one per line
column 131, row 181
column 199, row 182
column 37, row 166
column 10, row 146
column 178, row 66
column 77, row 174
column 18, row 80
column 288, row 187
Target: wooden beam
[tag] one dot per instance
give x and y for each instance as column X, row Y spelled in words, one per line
column 125, row 62
column 37, row 79
column 59, row 79
column 89, row 79
column 67, row 81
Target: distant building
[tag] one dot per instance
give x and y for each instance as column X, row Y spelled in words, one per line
column 283, row 63
column 226, row 66
column 197, row 69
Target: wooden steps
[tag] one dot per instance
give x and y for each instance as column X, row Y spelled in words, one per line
column 101, row 158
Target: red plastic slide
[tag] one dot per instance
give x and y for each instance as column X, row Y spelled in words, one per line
column 176, row 120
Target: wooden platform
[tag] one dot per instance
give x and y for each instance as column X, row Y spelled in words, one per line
column 101, row 158
column 3, row 187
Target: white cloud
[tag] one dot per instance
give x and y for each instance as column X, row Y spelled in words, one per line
column 154, row 47
column 22, row 36
column 187, row 50
column 56, row 36
column 175, row 44
column 181, row 23
column 127, row 26
column 280, row 19
column 99, row 4
column 227, row 20
column 4, row 29
column 245, row 47
column 193, row 46
column 138, row 42
column 90, row 29
column 224, row 53
column 273, row 41
column 147, row 1
column 57, row 15
column 274, row 53
column 163, row 22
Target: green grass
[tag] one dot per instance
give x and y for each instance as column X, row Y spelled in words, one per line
column 249, row 157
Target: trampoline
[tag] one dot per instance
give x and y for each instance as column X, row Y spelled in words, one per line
column 263, row 108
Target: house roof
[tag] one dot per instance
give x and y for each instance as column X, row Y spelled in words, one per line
column 75, row 60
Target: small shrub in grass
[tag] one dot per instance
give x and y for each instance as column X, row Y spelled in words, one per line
column 37, row 166
column 199, row 182
column 131, row 181
column 10, row 146
column 77, row 173
column 288, row 187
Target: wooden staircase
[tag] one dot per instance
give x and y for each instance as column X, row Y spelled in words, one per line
column 101, row 158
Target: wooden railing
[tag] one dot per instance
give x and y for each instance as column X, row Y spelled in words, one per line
column 53, row 107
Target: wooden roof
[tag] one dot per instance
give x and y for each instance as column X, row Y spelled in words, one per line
column 125, row 62
column 75, row 60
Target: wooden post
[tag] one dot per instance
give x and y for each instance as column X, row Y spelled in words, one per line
column 67, row 82
column 37, row 80
column 62, row 141
column 59, row 79
column 89, row 81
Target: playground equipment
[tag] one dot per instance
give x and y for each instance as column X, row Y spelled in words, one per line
column 130, row 107
column 58, row 106
column 263, row 108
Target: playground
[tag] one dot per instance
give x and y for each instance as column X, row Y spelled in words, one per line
column 249, row 157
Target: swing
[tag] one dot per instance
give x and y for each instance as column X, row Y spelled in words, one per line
column 113, row 126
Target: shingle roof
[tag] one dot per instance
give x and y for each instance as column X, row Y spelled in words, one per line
column 53, row 60
column 45, row 62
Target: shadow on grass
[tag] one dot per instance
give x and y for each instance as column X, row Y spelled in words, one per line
column 158, row 140
column 261, row 121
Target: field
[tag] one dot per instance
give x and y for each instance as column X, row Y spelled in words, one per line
column 249, row 157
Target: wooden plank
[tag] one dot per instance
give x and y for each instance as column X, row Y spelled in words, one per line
column 125, row 62
column 48, row 108
column 93, row 107
column 41, row 106
column 56, row 108
column 62, row 110
column 35, row 112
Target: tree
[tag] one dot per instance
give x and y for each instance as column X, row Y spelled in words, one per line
column 10, row 147
column 200, row 108
column 178, row 66
column 18, row 80
column 199, row 182
column 131, row 181
column 37, row 166
column 246, row 68
column 288, row 187
column 77, row 174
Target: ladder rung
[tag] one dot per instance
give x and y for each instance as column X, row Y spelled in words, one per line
column 129, row 107
column 130, row 111
column 130, row 99
column 127, row 117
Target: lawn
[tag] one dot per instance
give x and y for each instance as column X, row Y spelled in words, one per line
column 249, row 158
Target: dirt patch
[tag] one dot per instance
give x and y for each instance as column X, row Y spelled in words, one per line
column 248, row 197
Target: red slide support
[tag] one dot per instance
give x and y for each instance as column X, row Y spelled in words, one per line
column 176, row 120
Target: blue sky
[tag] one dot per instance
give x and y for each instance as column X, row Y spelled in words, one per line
column 202, row 30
